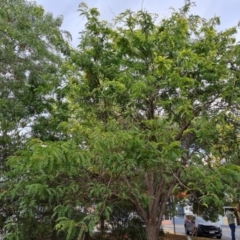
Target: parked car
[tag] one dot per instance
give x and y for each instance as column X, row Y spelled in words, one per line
column 197, row 226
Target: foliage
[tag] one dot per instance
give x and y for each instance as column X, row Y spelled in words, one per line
column 153, row 108
column 152, row 99
column 46, row 183
column 31, row 49
column 216, row 191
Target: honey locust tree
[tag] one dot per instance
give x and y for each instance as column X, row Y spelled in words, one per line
column 32, row 47
column 152, row 97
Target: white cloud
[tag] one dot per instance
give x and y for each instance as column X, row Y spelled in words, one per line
column 228, row 11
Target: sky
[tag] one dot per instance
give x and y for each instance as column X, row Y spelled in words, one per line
column 227, row 10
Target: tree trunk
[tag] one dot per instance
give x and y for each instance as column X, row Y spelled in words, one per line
column 152, row 231
column 102, row 226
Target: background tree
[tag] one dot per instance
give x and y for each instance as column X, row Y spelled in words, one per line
column 31, row 48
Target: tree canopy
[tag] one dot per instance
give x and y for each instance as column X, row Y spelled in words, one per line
column 31, row 49
column 153, row 109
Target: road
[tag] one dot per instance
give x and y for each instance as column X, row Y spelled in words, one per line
column 179, row 228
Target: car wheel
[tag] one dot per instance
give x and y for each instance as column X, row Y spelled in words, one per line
column 186, row 231
column 219, row 237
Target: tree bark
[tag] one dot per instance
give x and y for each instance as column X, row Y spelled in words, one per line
column 152, row 231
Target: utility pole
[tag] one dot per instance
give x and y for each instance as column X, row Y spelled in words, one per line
column 173, row 212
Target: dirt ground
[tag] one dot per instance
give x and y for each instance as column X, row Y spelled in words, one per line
column 171, row 236
column 166, row 236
